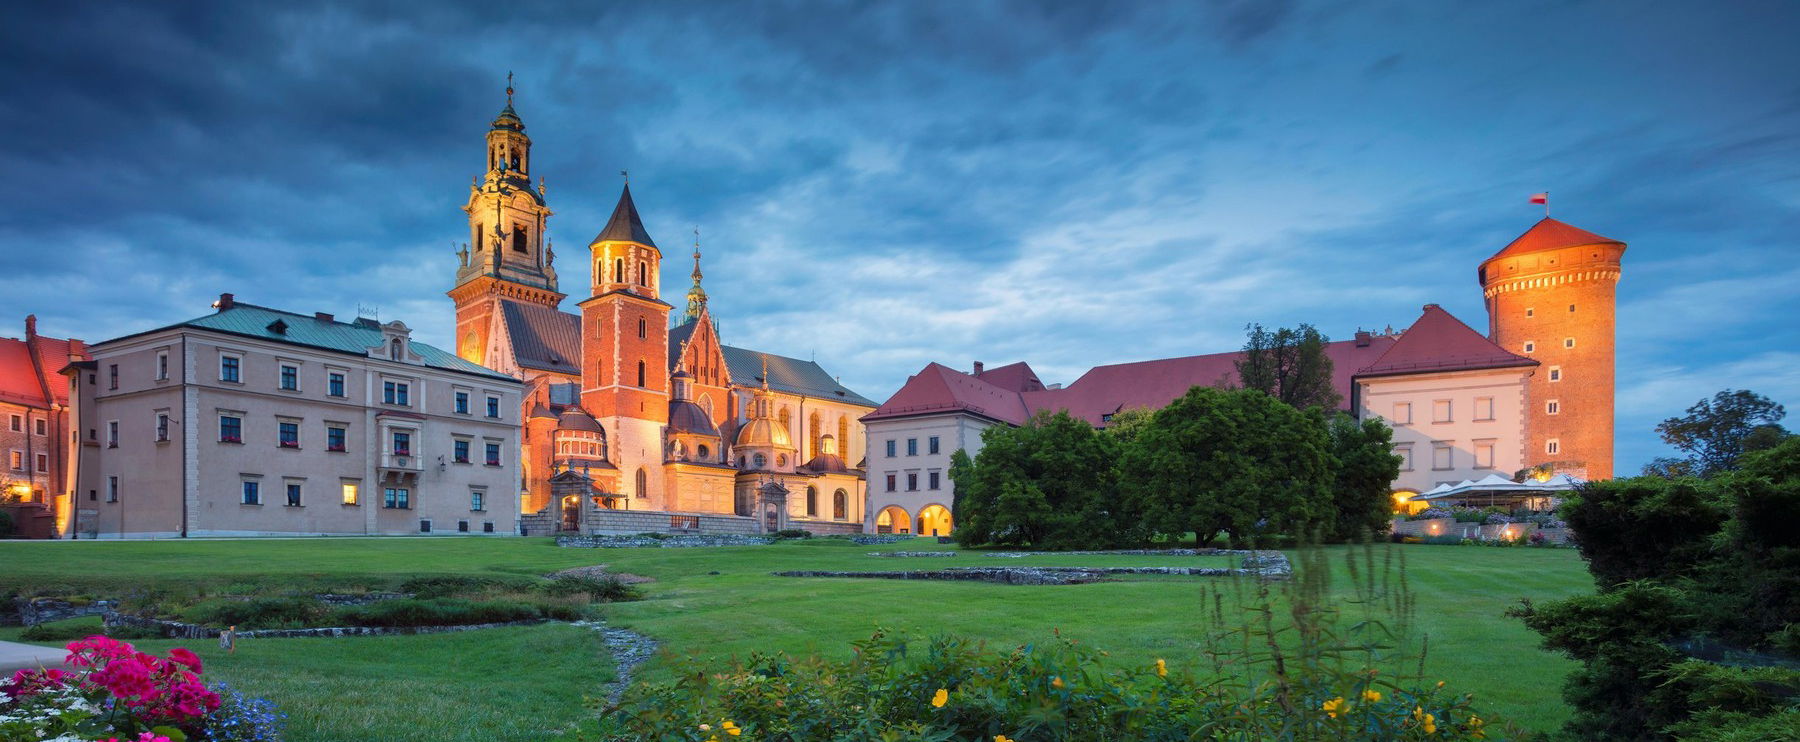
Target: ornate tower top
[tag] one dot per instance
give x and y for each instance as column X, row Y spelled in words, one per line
column 696, row 296
column 508, row 217
column 624, row 257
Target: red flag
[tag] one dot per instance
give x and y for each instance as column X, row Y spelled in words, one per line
column 1541, row 198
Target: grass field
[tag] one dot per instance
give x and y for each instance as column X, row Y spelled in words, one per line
column 709, row 604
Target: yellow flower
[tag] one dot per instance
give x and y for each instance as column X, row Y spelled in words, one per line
column 1430, row 724
column 1002, row 738
column 1475, row 726
column 1056, row 682
column 1333, row 707
column 730, row 728
column 1425, row 721
column 940, row 698
column 1440, row 684
column 1371, row 696
column 1162, row 669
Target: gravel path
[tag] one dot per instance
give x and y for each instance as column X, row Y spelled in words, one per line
column 628, row 648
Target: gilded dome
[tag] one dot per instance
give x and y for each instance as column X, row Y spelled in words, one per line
column 764, row 432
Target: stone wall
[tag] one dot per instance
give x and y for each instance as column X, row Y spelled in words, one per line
column 179, row 630
column 826, row 527
column 44, row 610
column 603, row 522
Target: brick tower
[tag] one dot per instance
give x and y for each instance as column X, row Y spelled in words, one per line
column 1550, row 297
column 625, row 350
column 506, row 256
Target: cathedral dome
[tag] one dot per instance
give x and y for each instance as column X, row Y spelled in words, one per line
column 576, row 419
column 827, row 463
column 764, row 432
column 687, row 417
column 540, row 411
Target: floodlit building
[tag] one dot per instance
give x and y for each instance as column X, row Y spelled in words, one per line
column 34, row 430
column 254, row 421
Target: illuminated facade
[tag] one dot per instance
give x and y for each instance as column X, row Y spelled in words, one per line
column 657, row 412
column 35, row 435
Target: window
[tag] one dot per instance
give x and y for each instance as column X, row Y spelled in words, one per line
column 1402, row 413
column 335, row 384
column 1552, row 407
column 1571, row 309
column 462, row 403
column 293, row 494
column 41, row 429
column 252, row 492
column 290, row 435
column 43, row 462
column 912, row 481
column 493, row 407
column 840, row 505
column 1568, row 342
column 760, row 461
column 1530, row 346
column 1484, row 408
column 931, row 446
column 350, row 493
column 112, row 489
column 890, row 451
column 641, row 376
column 231, row 429
column 395, row 392
column 493, row 454
column 1440, row 411
column 16, row 461
column 396, row 498
column 1556, row 373
column 890, row 483
column 477, row 500
column 334, row 438
column 162, row 427
column 518, row 229
column 1484, row 454
column 228, row 368
column 487, row 526
column 162, row 365
column 643, row 273
column 1553, row 446
column 641, row 328
column 460, row 452
column 931, row 480
column 112, row 434
column 812, row 502
column 1443, row 456
column 18, row 423
column 402, row 443
column 462, row 526
column 643, row 484
column 912, row 446
column 618, row 270
column 112, row 376
column 290, row 378
column 1529, row 311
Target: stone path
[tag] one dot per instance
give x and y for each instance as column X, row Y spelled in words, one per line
column 15, row 656
column 628, row 648
column 1269, row 565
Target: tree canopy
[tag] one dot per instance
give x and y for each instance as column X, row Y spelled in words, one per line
column 1290, row 365
column 1716, row 432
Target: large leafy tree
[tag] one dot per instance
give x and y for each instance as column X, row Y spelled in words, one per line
column 1365, row 469
column 1234, row 461
column 1046, row 483
column 1716, row 432
column 1289, row 364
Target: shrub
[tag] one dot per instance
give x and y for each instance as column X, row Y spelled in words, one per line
column 602, row 589
column 259, row 613
column 60, row 631
column 793, row 533
column 450, row 586
column 450, row 612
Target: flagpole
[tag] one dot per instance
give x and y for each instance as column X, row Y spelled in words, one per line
column 1546, row 204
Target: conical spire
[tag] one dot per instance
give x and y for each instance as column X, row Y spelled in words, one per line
column 625, row 224
column 696, row 296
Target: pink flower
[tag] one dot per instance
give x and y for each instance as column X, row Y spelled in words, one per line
column 125, row 678
column 186, row 658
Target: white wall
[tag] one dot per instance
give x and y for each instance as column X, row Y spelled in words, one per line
column 1465, row 436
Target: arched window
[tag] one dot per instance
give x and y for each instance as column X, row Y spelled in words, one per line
column 840, row 505
column 618, row 270
column 643, row 273
column 641, row 327
column 843, row 437
column 812, row 501
column 641, row 376
column 760, row 460
column 703, row 452
column 643, row 483
column 515, row 161
column 784, row 417
column 519, row 238
column 480, row 240
column 742, row 504
column 813, row 431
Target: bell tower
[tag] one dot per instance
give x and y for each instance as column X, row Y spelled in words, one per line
column 1551, row 297
column 507, row 256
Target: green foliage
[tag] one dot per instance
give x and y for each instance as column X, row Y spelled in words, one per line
column 602, row 589
column 451, row 612
column 1127, row 423
column 1365, row 468
column 260, row 613
column 1693, row 632
column 6, row 524
column 1235, row 461
column 447, row 586
column 1716, row 432
column 1048, row 483
column 793, row 533
column 1289, row 365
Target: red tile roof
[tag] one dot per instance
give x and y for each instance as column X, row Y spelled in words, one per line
column 1015, row 376
column 1550, row 234
column 29, row 366
column 938, row 388
column 1441, row 342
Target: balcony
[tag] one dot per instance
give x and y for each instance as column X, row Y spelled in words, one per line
column 402, row 462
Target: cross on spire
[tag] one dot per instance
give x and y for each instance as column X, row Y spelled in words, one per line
column 509, row 87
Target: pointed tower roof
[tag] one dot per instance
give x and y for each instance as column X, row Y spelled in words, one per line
column 625, row 224
column 696, row 296
column 1550, row 234
column 1440, row 342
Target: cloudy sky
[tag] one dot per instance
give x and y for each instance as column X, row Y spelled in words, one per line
column 883, row 185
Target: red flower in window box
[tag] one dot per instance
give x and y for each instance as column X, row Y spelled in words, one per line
column 290, row 444
column 493, row 462
column 230, row 439
column 402, row 452
column 335, row 448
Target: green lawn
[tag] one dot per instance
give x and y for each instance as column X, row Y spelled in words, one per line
column 498, row 684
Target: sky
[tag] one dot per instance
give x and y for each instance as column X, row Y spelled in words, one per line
column 881, row 185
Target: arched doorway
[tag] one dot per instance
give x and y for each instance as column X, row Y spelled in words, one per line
column 934, row 520
column 571, row 513
column 892, row 519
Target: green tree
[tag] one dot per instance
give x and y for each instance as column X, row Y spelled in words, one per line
column 1234, row 461
column 1047, row 483
column 1715, row 432
column 1125, row 424
column 1289, row 365
column 1365, row 466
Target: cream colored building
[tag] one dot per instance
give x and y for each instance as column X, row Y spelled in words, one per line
column 253, row 421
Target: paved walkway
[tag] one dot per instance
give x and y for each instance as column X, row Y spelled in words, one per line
column 15, row 656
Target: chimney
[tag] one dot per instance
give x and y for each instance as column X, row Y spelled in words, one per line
column 226, row 301
column 30, row 326
column 324, row 317
column 1429, row 307
column 1362, row 339
column 978, row 367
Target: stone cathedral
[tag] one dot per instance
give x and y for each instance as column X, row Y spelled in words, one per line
column 636, row 417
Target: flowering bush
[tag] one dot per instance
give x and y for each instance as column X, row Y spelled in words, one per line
column 115, row 693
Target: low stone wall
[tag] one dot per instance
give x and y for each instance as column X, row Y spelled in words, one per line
column 912, row 553
column 826, row 527
column 179, row 630
column 872, row 539
column 1271, row 565
column 667, row 542
column 1120, row 552
column 1427, row 527
column 626, row 522
column 348, row 599
column 44, row 610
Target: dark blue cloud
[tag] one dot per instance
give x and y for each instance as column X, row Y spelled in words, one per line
column 884, row 184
